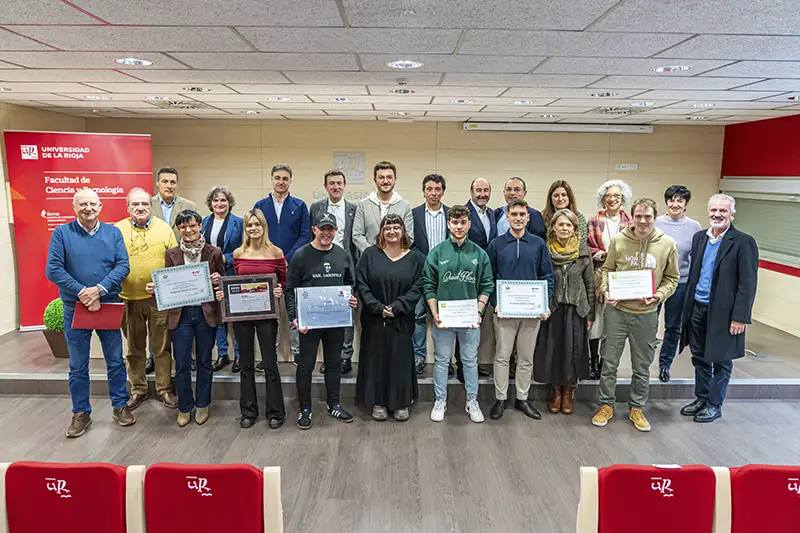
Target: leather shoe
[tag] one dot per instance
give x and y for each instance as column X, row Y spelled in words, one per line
column 169, row 400
column 693, row 408
column 483, row 373
column 497, row 409
column 221, row 362
column 527, row 407
column 663, row 375
column 136, row 400
column 347, row 367
column 150, row 366
column 275, row 423
column 247, row 423
column 235, row 368
column 419, row 366
column 260, row 367
column 194, row 366
column 322, row 368
column 709, row 413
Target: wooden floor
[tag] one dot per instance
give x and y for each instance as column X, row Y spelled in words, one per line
column 370, row 477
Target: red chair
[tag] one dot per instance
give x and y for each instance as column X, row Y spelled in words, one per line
column 67, row 498
column 210, row 498
column 656, row 499
column 765, row 498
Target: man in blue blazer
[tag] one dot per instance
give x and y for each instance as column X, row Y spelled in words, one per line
column 430, row 229
column 483, row 229
column 515, row 189
column 289, row 227
column 224, row 230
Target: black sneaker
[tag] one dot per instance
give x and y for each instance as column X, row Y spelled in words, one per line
column 663, row 375
column 347, row 367
column 304, row 418
column 260, row 366
column 337, row 411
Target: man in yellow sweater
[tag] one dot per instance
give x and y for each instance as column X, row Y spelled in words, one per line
column 146, row 238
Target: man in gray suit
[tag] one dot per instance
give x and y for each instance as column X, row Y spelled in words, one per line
column 377, row 205
column 345, row 213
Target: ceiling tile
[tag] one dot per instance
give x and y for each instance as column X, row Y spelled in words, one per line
column 365, row 112
column 737, row 47
column 704, row 16
column 497, row 101
column 61, row 75
column 439, row 90
column 361, row 78
column 448, row 114
column 731, row 105
column 704, row 96
column 505, row 80
column 353, row 40
column 531, row 92
column 455, row 108
column 179, row 111
column 535, row 14
column 624, row 66
column 331, row 117
column 749, row 112
column 612, row 102
column 668, row 111
column 216, row 13
column 377, row 99
column 140, row 38
column 566, row 43
column 208, row 76
column 278, row 90
column 359, row 106
column 770, row 85
column 211, row 97
column 35, row 11
column 265, row 61
column 441, row 119
column 57, row 87
column 450, row 63
column 523, row 109
column 11, row 41
column 495, row 115
column 237, row 105
column 761, row 69
column 780, row 99
column 71, row 60
column 4, row 65
column 237, row 116
column 668, row 82
column 102, row 104
column 10, row 96
column 159, row 88
column 555, row 109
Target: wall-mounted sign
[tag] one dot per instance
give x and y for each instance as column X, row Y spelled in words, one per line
column 353, row 164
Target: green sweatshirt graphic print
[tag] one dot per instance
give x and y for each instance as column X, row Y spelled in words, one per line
column 454, row 272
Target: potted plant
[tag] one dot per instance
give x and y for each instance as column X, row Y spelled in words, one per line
column 54, row 334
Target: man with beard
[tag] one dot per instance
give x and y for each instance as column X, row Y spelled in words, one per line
column 378, row 204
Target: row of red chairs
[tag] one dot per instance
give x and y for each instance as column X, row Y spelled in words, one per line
column 162, row 498
column 689, row 499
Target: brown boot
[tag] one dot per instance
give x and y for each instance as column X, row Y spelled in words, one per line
column 555, row 401
column 566, row 400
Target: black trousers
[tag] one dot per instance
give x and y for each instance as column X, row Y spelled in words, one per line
column 332, row 340
column 267, row 331
column 710, row 379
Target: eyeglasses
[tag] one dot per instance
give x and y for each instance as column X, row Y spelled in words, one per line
column 613, row 197
column 138, row 242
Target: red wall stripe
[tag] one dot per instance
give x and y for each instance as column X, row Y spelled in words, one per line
column 777, row 267
column 762, row 148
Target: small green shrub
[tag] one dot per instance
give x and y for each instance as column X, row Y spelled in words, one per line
column 54, row 315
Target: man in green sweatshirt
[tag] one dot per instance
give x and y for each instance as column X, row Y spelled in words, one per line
column 640, row 246
column 456, row 271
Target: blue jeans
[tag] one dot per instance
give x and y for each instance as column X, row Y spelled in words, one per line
column 222, row 342
column 442, row 353
column 79, row 343
column 192, row 327
column 673, row 315
column 420, row 336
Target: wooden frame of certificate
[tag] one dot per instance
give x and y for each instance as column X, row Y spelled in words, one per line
column 249, row 297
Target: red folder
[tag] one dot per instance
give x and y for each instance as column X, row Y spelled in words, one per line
column 109, row 316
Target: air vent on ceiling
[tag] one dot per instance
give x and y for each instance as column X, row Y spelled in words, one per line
column 617, row 110
column 181, row 104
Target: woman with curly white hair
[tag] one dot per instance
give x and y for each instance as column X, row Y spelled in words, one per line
column 612, row 196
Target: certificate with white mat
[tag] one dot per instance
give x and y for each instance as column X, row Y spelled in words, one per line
column 458, row 313
column 631, row 284
column 522, row 299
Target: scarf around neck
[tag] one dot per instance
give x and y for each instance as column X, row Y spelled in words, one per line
column 564, row 254
column 193, row 249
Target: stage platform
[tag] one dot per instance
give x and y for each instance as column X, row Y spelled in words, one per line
column 771, row 370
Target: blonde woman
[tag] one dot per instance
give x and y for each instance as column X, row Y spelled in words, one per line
column 257, row 255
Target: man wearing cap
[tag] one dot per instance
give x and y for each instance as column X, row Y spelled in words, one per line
column 319, row 264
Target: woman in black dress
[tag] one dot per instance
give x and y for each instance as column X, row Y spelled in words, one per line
column 561, row 357
column 389, row 284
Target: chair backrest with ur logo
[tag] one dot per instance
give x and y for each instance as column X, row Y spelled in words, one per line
column 765, row 498
column 64, row 498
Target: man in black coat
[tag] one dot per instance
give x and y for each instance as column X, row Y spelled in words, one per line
column 719, row 302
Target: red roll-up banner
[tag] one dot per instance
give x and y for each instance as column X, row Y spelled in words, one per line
column 45, row 169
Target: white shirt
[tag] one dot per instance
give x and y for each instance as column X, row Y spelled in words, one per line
column 715, row 240
column 337, row 209
column 215, row 229
column 278, row 206
column 483, row 214
column 612, row 228
column 435, row 226
column 384, row 207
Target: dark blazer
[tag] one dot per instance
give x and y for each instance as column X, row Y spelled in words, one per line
column 211, row 311
column 421, row 231
column 234, row 234
column 733, row 291
column 477, row 231
column 321, row 206
column 293, row 229
column 181, row 204
column 535, row 224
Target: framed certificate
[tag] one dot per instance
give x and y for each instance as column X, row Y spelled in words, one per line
column 458, row 313
column 182, row 286
column 631, row 284
column 249, row 297
column 522, row 299
column 323, row 307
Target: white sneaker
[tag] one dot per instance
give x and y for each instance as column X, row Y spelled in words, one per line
column 437, row 413
column 474, row 410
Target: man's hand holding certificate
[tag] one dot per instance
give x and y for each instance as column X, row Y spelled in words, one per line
column 522, row 299
column 631, row 285
column 458, row 314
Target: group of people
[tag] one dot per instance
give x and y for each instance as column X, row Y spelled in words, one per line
column 401, row 262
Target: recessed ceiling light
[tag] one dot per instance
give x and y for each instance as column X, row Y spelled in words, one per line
column 95, row 97
column 793, row 97
column 698, row 118
column 340, row 99
column 603, row 95
column 279, row 99
column 195, row 89
column 157, row 98
column 398, row 114
column 523, row 102
column 402, row 91
column 463, row 101
column 95, row 110
column 671, row 68
column 4, row 89
column 250, row 112
column 548, row 116
column 404, row 64
column 642, row 104
column 702, row 104
column 133, row 62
